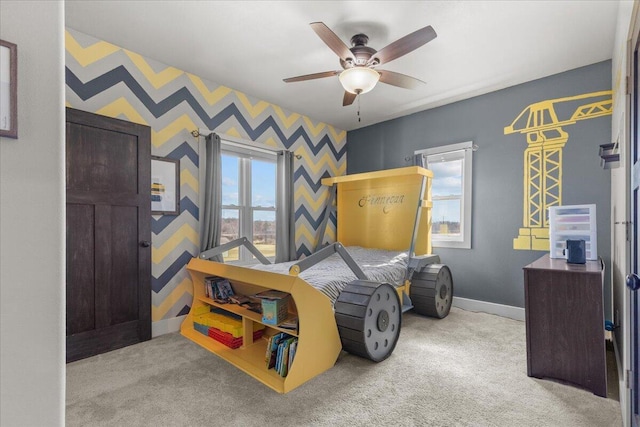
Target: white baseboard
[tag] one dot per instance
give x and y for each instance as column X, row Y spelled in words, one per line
column 166, row 326
column 509, row 311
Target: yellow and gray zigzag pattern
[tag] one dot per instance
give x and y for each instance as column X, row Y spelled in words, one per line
column 105, row 79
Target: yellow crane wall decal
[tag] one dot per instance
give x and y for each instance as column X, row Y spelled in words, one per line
column 543, row 159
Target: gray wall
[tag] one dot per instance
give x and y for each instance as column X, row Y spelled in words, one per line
column 492, row 270
column 32, row 253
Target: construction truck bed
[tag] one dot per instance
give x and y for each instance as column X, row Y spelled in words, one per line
column 349, row 295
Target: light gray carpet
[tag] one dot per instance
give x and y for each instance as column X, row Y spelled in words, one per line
column 468, row 369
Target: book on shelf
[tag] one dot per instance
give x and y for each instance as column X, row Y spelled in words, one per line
column 292, row 352
column 207, row 287
column 224, row 289
column 284, row 359
column 209, row 290
column 267, row 354
column 272, row 295
column 284, row 363
column 239, row 299
column 281, row 348
column 290, row 323
column 272, row 349
column 218, row 289
column 256, row 307
column 278, row 356
column 280, row 352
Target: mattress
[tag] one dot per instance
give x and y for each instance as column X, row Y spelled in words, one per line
column 331, row 275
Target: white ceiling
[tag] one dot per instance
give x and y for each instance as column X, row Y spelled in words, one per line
column 251, row 46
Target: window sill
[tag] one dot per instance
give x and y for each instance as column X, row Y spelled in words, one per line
column 450, row 244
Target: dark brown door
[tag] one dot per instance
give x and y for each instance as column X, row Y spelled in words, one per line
column 108, row 180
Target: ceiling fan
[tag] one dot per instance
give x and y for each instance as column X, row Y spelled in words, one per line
column 359, row 75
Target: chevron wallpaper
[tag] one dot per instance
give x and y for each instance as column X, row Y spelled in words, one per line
column 106, row 79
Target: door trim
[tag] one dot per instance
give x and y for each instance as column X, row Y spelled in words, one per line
column 632, row 127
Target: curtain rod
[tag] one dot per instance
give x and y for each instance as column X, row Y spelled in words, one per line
column 238, row 142
column 233, row 141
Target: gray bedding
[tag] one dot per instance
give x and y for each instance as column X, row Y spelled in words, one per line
column 332, row 275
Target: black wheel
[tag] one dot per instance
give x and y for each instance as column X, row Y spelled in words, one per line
column 369, row 318
column 431, row 291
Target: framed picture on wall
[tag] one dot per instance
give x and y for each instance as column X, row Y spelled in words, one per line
column 8, row 89
column 165, row 186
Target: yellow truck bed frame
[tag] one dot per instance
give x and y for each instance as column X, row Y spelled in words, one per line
column 384, row 210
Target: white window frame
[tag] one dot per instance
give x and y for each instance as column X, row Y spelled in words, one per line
column 464, row 151
column 246, row 153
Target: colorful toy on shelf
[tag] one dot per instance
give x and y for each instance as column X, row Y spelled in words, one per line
column 223, row 327
column 274, row 306
column 228, row 339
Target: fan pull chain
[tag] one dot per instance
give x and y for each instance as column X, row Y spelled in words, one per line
column 359, row 109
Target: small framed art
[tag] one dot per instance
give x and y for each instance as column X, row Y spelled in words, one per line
column 165, row 186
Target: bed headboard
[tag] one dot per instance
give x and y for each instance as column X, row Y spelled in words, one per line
column 379, row 209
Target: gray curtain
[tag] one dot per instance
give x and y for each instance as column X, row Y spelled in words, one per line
column 419, row 160
column 211, row 211
column 285, row 218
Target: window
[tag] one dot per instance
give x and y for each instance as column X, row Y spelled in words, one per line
column 248, row 200
column 450, row 194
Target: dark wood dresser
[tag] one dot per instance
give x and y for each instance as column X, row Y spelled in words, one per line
column 565, row 322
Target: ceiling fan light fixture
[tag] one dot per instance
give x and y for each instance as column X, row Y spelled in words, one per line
column 359, row 80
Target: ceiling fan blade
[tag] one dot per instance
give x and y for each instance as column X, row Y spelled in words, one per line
column 311, row 76
column 348, row 98
column 332, row 40
column 400, row 80
column 404, row 45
